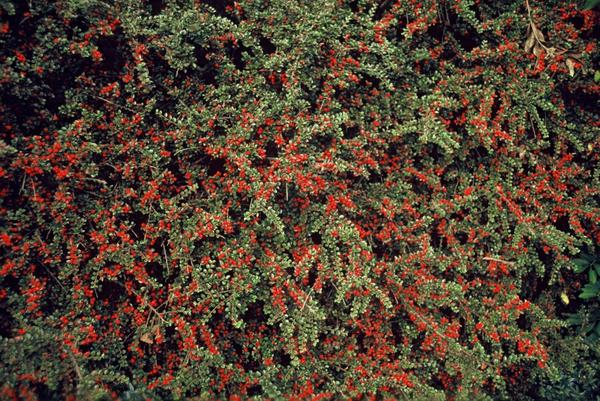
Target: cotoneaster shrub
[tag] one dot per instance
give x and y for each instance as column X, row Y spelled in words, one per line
column 291, row 200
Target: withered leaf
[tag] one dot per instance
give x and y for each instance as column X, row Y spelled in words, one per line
column 147, row 338
column 538, row 34
column 537, row 50
column 529, row 42
column 571, row 66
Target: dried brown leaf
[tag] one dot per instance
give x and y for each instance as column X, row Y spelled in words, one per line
column 538, row 34
column 537, row 50
column 147, row 338
column 571, row 66
column 529, row 42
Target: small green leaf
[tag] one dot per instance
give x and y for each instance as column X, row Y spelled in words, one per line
column 587, row 295
column 597, row 76
column 580, row 265
column 595, row 316
column 589, row 4
column 587, row 328
column 592, row 276
column 588, row 257
column 131, row 395
column 597, row 267
column 574, row 319
column 7, row 6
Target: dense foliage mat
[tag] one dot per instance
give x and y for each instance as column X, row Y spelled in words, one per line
column 296, row 199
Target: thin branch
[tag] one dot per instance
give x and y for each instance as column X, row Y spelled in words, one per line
column 166, row 259
column 146, row 303
column 75, row 364
column 306, row 299
column 114, row 104
column 491, row 259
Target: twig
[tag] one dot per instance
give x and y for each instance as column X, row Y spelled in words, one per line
column 23, row 183
column 95, row 180
column 146, row 303
column 39, row 238
column 306, row 299
column 33, row 187
column 166, row 259
column 185, row 149
column 75, row 364
column 411, row 309
column 491, row 259
column 114, row 104
column 54, row 277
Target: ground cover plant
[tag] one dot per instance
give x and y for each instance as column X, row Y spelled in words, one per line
column 299, row 200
